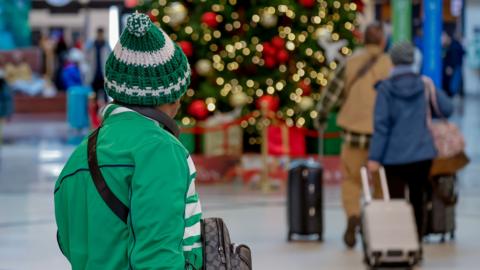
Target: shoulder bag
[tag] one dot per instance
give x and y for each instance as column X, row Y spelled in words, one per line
column 448, row 139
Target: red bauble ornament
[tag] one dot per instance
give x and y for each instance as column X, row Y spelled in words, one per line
column 283, row 56
column 360, row 5
column 278, row 42
column 187, row 47
column 198, row 109
column 268, row 49
column 306, row 88
column 270, row 62
column 307, row 3
column 210, row 19
column 270, row 102
column 152, row 17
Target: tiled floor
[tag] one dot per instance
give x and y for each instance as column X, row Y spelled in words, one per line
column 35, row 151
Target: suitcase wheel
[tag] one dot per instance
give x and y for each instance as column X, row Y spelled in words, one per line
column 319, row 238
column 369, row 267
column 372, row 263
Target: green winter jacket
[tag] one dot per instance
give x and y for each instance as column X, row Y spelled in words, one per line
column 149, row 171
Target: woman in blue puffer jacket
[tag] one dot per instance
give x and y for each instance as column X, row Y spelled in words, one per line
column 402, row 141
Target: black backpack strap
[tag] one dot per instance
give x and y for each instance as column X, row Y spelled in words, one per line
column 118, row 208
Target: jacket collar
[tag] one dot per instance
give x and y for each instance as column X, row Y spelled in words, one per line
column 401, row 70
column 113, row 109
column 157, row 116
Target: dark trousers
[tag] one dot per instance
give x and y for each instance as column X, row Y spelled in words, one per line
column 415, row 176
column 98, row 87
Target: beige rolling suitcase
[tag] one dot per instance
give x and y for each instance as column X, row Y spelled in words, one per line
column 388, row 228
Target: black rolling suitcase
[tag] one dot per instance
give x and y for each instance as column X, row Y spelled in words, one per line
column 442, row 198
column 305, row 211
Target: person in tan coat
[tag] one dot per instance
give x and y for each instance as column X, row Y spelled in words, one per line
column 352, row 91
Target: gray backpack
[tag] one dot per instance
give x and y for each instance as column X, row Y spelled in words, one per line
column 218, row 252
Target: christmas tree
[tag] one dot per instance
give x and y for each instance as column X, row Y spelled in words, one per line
column 245, row 53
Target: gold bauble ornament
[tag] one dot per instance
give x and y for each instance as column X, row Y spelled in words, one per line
column 238, row 99
column 268, row 20
column 322, row 33
column 203, row 67
column 177, row 13
column 306, row 103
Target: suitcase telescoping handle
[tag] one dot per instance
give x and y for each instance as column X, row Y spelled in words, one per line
column 365, row 175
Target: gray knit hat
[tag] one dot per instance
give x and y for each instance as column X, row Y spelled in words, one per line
column 402, row 53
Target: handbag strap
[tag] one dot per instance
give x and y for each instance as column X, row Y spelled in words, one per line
column 365, row 68
column 431, row 97
column 117, row 207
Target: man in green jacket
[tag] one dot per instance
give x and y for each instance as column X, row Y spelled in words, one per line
column 144, row 167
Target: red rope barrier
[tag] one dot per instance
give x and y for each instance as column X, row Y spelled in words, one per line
column 202, row 130
column 271, row 115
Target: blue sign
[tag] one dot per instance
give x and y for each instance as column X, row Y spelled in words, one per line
column 432, row 46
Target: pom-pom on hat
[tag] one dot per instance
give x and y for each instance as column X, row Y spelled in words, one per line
column 146, row 67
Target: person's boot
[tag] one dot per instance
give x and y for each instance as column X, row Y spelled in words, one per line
column 350, row 236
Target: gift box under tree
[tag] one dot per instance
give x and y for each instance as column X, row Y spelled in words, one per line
column 222, row 136
column 187, row 137
column 332, row 144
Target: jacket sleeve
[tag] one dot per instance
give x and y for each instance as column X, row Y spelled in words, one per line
column 445, row 104
column 381, row 127
column 157, row 206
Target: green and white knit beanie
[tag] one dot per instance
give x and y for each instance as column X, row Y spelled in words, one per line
column 146, row 67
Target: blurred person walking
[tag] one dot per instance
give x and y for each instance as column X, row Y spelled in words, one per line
column 452, row 67
column 402, row 141
column 72, row 73
column 126, row 198
column 97, row 53
column 61, row 54
column 47, row 45
column 353, row 90
column 6, row 100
